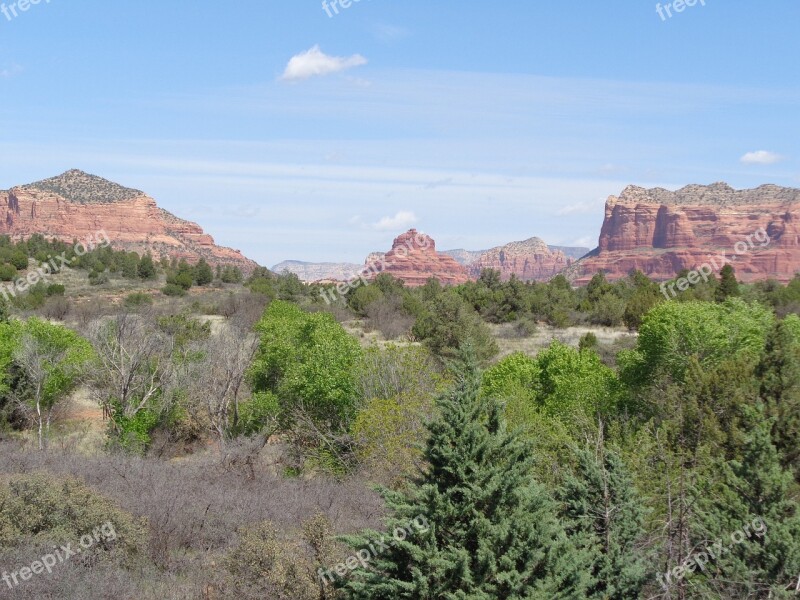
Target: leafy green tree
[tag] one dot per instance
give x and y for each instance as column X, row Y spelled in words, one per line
column 603, row 515
column 309, row 361
column 52, row 359
column 492, row 530
column 673, row 332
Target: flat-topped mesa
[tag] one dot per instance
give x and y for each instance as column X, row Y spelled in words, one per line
column 661, row 232
column 414, row 259
column 529, row 260
column 75, row 205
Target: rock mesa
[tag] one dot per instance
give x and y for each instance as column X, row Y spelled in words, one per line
column 661, row 232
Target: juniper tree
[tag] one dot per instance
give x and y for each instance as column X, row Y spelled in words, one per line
column 603, row 514
column 752, row 512
column 492, row 530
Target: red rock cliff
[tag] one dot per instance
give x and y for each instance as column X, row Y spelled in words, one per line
column 661, row 232
column 414, row 259
column 76, row 205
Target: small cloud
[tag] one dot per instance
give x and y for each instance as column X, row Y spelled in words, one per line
column 761, row 157
column 581, row 208
column 401, row 220
column 315, row 63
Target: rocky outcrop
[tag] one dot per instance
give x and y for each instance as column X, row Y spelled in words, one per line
column 531, row 260
column 414, row 259
column 76, row 205
column 661, row 232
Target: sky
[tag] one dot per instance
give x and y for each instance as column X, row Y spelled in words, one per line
column 292, row 131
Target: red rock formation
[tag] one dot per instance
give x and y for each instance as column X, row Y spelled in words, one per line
column 76, row 205
column 531, row 260
column 413, row 258
column 661, row 232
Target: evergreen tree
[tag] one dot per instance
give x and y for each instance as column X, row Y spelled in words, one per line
column 203, row 274
column 779, row 374
column 603, row 515
column 493, row 531
column 753, row 514
column 147, row 268
column 728, row 286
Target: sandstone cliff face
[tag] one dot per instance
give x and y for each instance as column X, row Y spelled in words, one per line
column 661, row 232
column 76, row 205
column 414, row 259
column 531, row 260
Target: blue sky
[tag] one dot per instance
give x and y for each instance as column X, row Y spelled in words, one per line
column 290, row 134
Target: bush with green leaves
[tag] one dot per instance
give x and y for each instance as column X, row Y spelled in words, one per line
column 309, row 361
column 674, row 332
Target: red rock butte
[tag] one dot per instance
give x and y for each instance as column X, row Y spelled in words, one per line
column 76, row 205
column 414, row 259
column 661, row 232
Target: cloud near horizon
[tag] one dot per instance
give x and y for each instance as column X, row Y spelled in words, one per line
column 761, row 157
column 402, row 220
column 315, row 63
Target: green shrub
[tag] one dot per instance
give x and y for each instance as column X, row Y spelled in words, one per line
column 41, row 508
column 7, row 272
column 172, row 289
column 138, row 299
column 55, row 289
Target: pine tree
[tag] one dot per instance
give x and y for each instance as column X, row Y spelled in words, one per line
column 493, row 531
column 728, row 286
column 603, row 515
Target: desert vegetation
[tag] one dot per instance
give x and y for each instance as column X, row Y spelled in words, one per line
column 249, row 440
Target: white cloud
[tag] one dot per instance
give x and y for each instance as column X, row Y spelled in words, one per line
column 761, row 157
column 315, row 63
column 401, row 220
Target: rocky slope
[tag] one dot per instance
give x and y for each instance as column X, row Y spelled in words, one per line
column 530, row 260
column 414, row 259
column 75, row 205
column 661, row 232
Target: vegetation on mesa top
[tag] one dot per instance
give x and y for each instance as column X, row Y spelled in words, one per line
column 83, row 188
